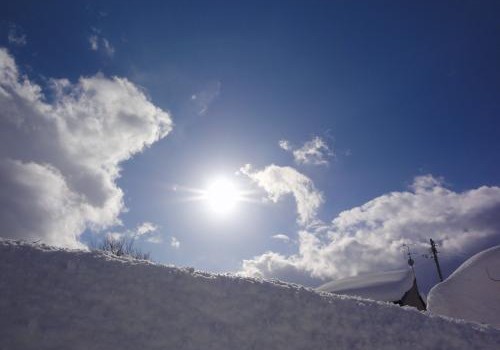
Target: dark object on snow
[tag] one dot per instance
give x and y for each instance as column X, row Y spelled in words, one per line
column 412, row 298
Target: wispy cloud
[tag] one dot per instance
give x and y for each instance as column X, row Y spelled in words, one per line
column 107, row 47
column 147, row 231
column 315, row 151
column 204, row 98
column 94, row 42
column 16, row 36
column 174, row 243
column 281, row 237
column 59, row 161
column 100, row 43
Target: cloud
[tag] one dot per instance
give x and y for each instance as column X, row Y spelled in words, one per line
column 107, row 47
column 174, row 243
column 99, row 43
column 155, row 239
column 314, row 152
column 281, row 237
column 278, row 181
column 37, row 202
column 146, row 227
column 285, row 144
column 271, row 265
column 94, row 42
column 368, row 238
column 16, row 36
column 204, row 98
column 147, row 231
column 60, row 153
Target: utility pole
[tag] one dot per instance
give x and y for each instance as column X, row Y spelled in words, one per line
column 434, row 255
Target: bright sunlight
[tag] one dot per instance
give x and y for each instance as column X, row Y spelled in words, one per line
column 222, row 196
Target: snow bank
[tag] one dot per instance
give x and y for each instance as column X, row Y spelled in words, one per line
column 472, row 292
column 386, row 286
column 60, row 299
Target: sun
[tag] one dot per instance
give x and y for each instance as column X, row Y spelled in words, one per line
column 222, row 195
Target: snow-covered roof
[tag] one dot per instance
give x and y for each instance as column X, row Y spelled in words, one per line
column 385, row 286
column 472, row 292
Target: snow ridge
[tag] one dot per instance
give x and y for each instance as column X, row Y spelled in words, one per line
column 61, row 299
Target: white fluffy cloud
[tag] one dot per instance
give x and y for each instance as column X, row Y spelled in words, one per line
column 278, row 181
column 315, row 151
column 369, row 238
column 274, row 265
column 60, row 154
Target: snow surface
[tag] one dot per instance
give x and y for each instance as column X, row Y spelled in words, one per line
column 386, row 286
column 61, row 299
column 472, row 292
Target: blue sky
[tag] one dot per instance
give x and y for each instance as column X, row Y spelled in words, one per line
column 403, row 96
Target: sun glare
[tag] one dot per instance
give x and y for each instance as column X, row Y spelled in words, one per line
column 222, row 196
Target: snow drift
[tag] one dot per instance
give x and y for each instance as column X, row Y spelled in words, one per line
column 61, row 299
column 472, row 292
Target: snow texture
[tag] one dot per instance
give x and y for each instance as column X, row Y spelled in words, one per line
column 472, row 292
column 385, row 286
column 53, row 298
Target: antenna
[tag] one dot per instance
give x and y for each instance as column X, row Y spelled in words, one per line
column 410, row 261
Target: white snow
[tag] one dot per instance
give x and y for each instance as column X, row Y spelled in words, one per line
column 385, row 286
column 60, row 299
column 472, row 292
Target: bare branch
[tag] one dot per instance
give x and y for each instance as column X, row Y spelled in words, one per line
column 122, row 247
